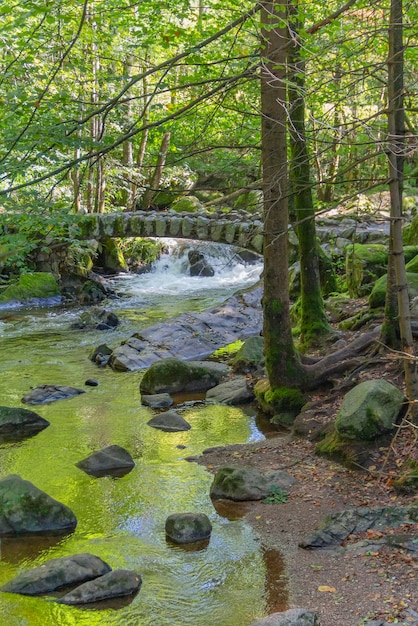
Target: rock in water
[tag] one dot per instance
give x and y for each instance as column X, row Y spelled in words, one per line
column 188, row 527
column 26, row 510
column 110, row 460
column 170, row 422
column 117, row 583
column 44, row 394
column 18, row 423
column 57, row 573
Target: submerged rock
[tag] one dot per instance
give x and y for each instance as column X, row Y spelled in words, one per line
column 170, row 422
column 113, row 460
column 117, row 583
column 44, row 394
column 157, row 400
column 188, row 527
column 26, row 510
column 57, row 573
column 17, row 423
column 96, row 318
column 246, row 483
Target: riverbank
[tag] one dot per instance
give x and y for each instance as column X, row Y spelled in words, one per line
column 343, row 587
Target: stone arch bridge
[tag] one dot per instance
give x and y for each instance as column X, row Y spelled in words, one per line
column 235, row 228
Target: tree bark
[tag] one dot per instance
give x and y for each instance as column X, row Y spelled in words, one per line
column 313, row 320
column 282, row 361
column 158, row 172
column 396, row 151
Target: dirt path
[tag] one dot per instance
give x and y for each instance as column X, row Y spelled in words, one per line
column 343, row 589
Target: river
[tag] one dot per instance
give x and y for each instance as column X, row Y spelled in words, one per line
column 122, row 520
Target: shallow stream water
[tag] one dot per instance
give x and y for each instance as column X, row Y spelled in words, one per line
column 229, row 582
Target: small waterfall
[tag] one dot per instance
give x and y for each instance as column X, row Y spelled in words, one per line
column 170, row 274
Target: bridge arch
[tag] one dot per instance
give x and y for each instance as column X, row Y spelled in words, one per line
column 236, row 228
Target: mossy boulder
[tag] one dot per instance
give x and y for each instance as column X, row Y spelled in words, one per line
column 31, row 286
column 369, row 410
column 250, row 356
column 378, row 293
column 188, row 204
column 364, row 263
column 26, row 510
column 111, row 256
column 250, row 201
column 18, row 423
column 172, row 376
column 247, row 483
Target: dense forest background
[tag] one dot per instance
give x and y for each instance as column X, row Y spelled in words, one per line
column 106, row 102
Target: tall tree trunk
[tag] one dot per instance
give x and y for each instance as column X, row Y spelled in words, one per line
column 396, row 151
column 140, row 156
column 282, row 362
column 313, row 320
column 127, row 148
column 158, row 172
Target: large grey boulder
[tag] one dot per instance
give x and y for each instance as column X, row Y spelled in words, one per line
column 292, row 617
column 126, row 358
column 172, row 376
column 26, row 510
column 44, row 394
column 170, row 422
column 57, row 573
column 246, row 483
column 235, row 391
column 117, row 583
column 339, row 526
column 18, row 423
column 113, row 460
column 188, row 527
column 369, row 409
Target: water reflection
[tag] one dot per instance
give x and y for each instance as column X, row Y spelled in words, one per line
column 123, row 521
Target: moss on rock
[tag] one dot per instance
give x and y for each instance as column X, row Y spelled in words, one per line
column 172, row 376
column 378, row 294
column 30, row 286
column 364, row 263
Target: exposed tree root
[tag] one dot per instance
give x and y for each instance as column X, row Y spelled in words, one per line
column 339, row 361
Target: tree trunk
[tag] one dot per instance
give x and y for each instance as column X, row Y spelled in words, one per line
column 313, row 322
column 282, row 361
column 127, row 148
column 396, row 150
column 158, row 172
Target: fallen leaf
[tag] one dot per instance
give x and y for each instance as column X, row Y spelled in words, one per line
column 326, row 588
